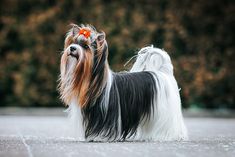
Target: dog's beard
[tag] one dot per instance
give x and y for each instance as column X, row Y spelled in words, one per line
column 75, row 76
column 67, row 77
column 71, row 65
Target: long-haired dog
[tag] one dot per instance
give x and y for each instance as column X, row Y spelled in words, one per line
column 142, row 104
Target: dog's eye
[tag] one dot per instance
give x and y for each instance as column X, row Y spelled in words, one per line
column 94, row 45
column 84, row 45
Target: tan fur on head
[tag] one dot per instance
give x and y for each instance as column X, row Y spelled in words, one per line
column 75, row 77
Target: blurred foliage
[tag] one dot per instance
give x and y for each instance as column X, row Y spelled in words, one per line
column 199, row 36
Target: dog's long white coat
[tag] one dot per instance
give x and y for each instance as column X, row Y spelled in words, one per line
column 76, row 121
column 167, row 121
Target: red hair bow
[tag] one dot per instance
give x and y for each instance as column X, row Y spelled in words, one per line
column 85, row 32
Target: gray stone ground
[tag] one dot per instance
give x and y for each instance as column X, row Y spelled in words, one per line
column 35, row 135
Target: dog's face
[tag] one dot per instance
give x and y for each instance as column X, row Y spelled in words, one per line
column 80, row 48
column 84, row 49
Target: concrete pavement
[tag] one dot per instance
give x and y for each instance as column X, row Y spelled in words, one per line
column 47, row 136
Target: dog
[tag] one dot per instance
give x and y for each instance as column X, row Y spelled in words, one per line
column 140, row 105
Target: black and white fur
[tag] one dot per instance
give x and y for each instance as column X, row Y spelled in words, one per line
column 139, row 105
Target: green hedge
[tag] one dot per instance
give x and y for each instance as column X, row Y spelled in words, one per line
column 197, row 34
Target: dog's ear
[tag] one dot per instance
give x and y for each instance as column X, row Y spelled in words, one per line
column 75, row 29
column 101, row 38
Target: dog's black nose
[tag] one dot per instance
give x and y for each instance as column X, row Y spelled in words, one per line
column 72, row 48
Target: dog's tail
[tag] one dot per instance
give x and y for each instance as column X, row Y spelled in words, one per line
column 168, row 120
column 153, row 59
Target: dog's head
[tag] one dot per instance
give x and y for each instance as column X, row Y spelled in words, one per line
column 83, row 63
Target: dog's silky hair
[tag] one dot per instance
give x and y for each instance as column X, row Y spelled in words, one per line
column 142, row 104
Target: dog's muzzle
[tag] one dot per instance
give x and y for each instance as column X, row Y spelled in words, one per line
column 73, row 51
